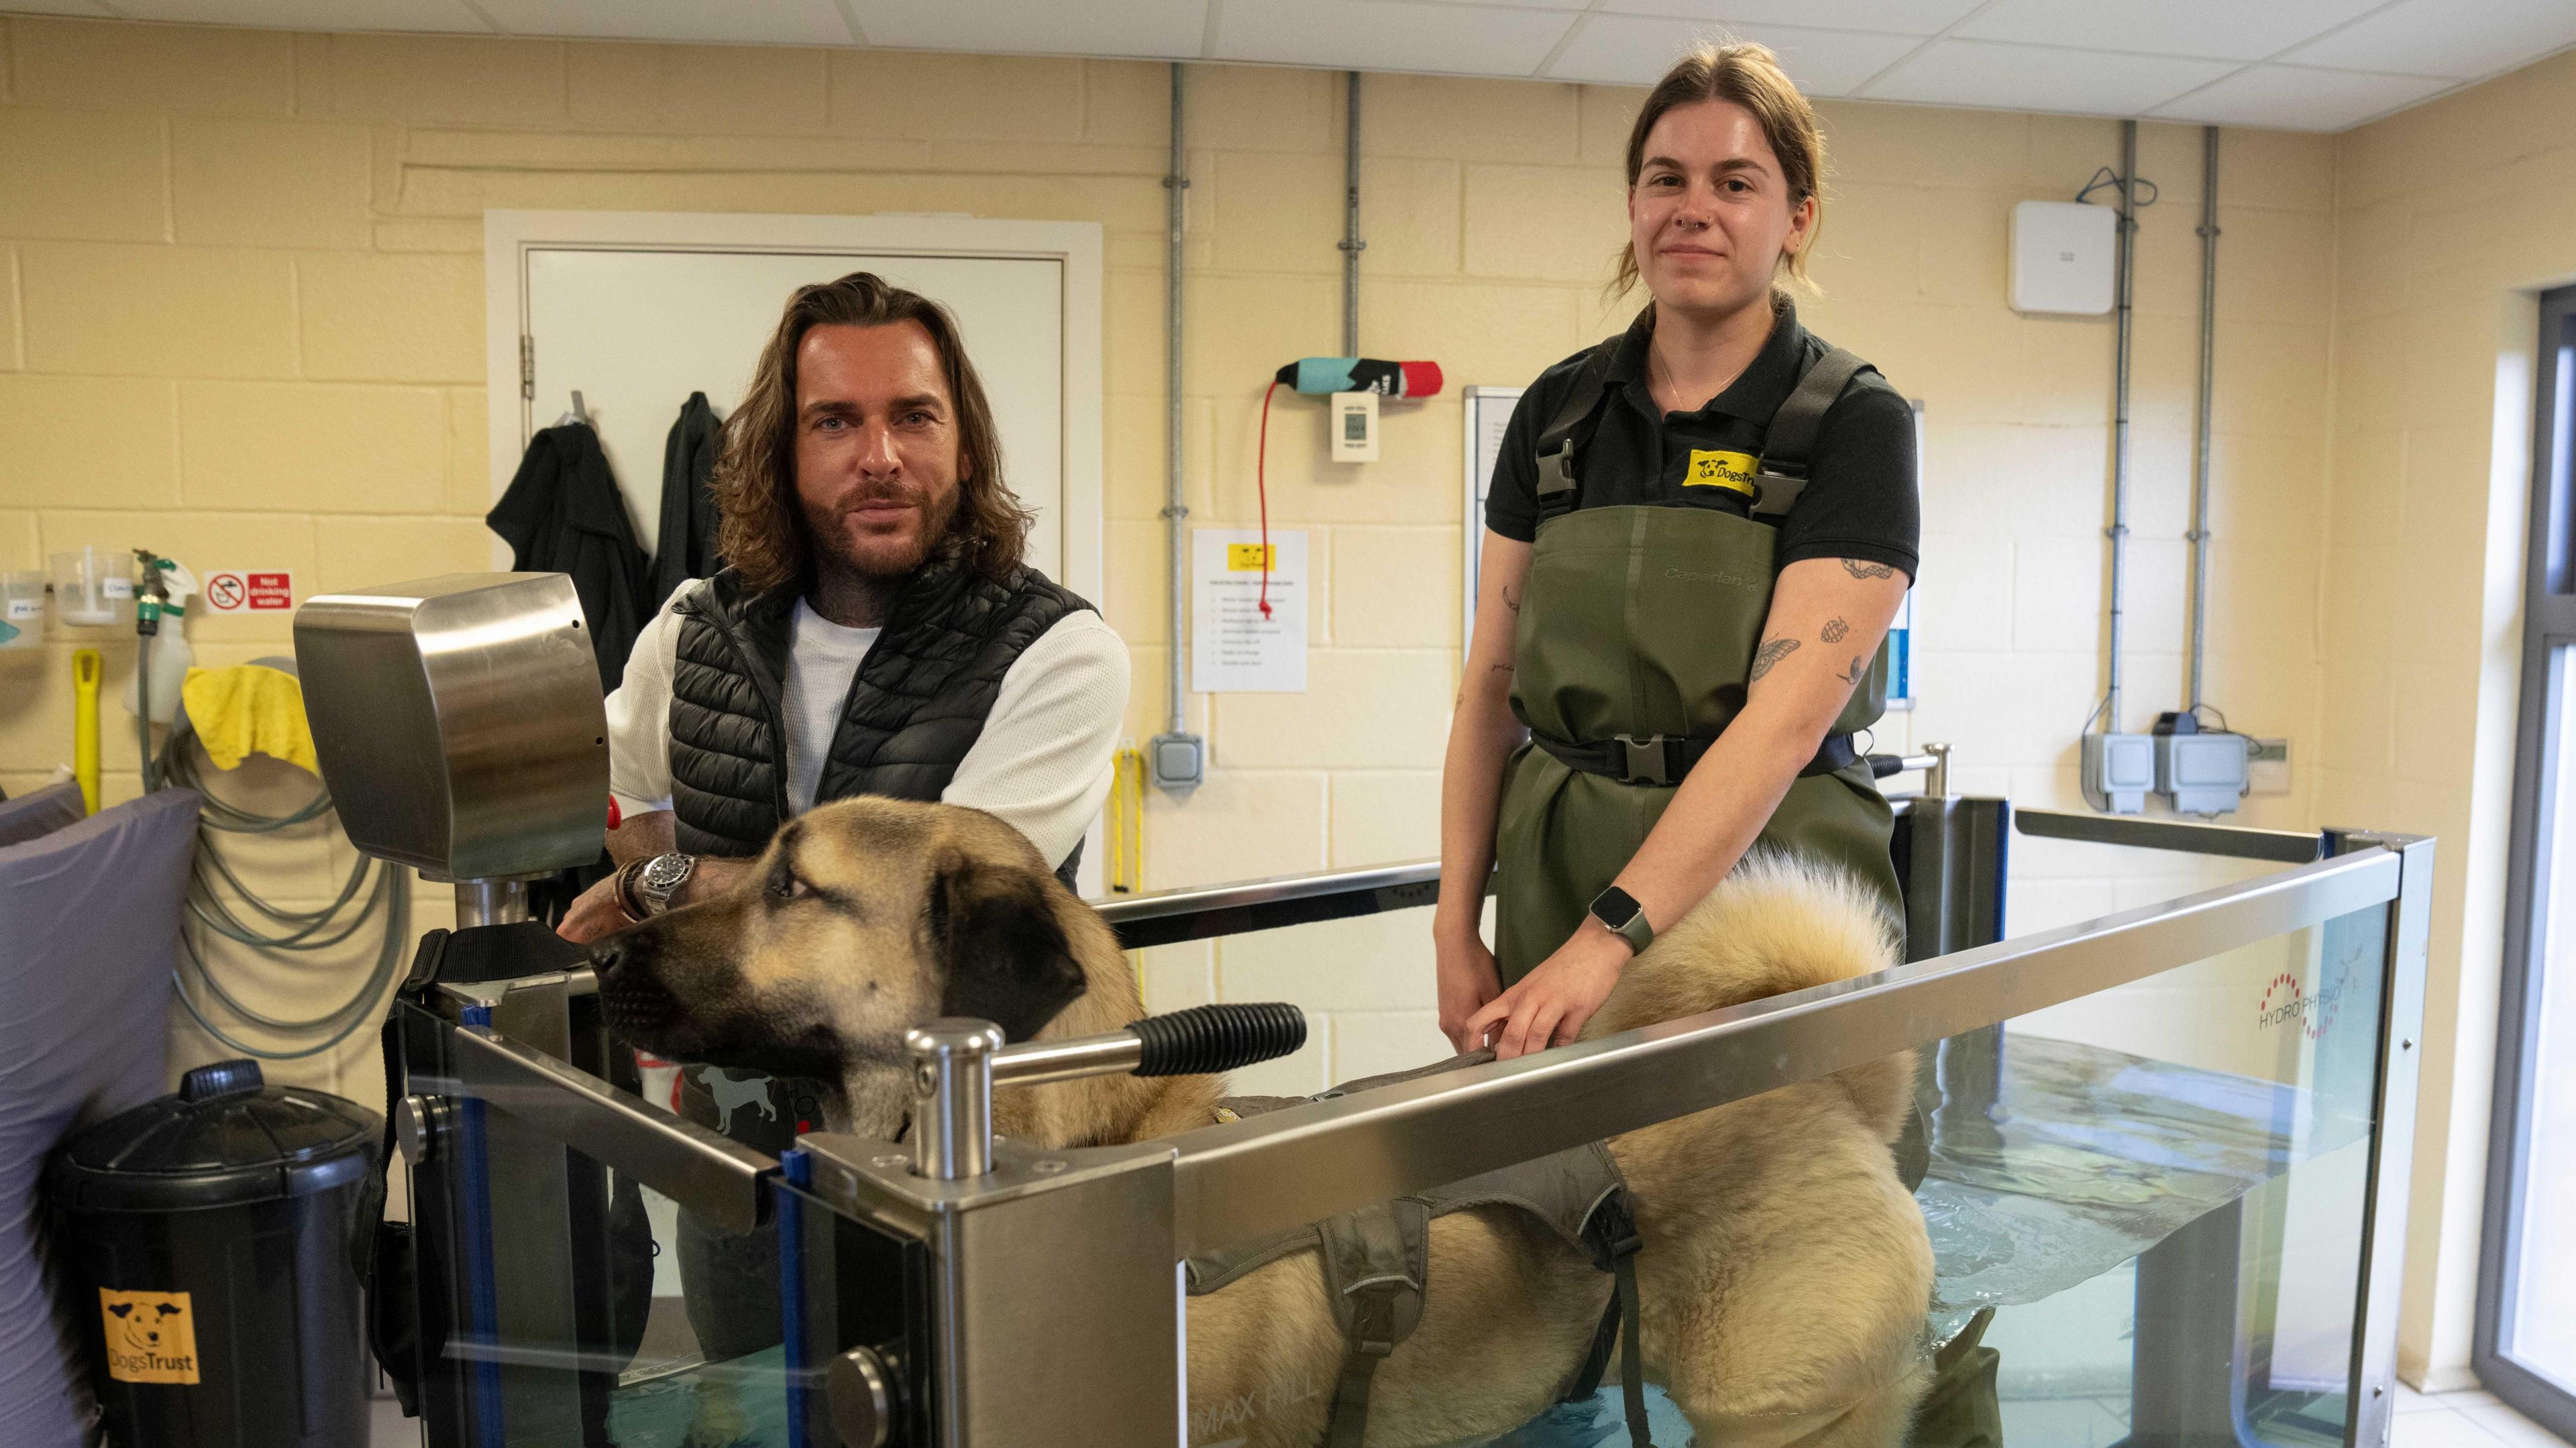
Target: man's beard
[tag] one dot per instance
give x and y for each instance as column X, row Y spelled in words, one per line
column 886, row 561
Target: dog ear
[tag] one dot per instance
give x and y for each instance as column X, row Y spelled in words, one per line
column 122, row 1308
column 1002, row 956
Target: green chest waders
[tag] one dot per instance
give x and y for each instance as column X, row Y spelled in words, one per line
column 1634, row 649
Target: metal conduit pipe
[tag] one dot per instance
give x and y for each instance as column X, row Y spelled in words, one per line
column 1351, row 244
column 1175, row 759
column 2198, row 537
column 2118, row 532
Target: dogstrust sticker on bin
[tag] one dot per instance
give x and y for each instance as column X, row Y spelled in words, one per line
column 151, row 1336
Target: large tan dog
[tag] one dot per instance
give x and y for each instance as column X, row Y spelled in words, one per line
column 1785, row 1271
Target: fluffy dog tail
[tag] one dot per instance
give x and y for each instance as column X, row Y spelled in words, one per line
column 1779, row 923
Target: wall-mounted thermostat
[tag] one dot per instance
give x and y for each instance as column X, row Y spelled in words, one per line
column 1354, row 418
column 2062, row 257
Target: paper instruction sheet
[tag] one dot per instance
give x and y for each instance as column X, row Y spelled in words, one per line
column 1233, row 648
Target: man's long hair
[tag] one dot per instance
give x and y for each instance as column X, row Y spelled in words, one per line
column 763, row 534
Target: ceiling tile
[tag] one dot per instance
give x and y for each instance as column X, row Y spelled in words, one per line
column 1894, row 17
column 2041, row 78
column 437, row 16
column 1166, row 28
column 2218, row 29
column 2446, row 37
column 2292, row 98
column 1515, row 4
column 1637, row 50
column 739, row 22
column 1386, row 35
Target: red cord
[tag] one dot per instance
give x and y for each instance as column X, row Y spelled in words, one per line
column 1261, row 479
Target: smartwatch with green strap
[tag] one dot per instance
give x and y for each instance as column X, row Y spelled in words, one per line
column 1626, row 918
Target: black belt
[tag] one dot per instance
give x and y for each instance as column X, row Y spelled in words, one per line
column 1665, row 758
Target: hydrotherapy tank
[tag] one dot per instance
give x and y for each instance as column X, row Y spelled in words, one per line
column 2169, row 1146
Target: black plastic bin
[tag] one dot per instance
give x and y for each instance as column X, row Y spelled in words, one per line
column 206, row 1238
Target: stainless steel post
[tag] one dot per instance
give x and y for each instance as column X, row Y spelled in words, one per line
column 1936, row 780
column 952, row 1097
column 489, row 902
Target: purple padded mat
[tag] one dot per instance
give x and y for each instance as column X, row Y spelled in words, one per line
column 89, row 931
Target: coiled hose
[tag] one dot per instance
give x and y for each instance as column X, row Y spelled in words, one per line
column 290, row 931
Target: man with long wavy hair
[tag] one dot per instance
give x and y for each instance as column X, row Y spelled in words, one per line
column 874, row 630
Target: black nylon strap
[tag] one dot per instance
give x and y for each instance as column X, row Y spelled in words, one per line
column 1789, row 444
column 1665, row 758
column 1372, row 1339
column 1556, row 481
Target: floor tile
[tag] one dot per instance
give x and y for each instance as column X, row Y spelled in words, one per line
column 2512, row 1428
column 2439, row 1428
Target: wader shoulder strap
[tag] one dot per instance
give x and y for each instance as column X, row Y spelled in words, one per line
column 1568, row 430
column 1789, row 444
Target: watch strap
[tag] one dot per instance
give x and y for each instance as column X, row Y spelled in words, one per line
column 1619, row 910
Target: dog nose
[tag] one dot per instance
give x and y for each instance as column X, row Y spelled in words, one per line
column 610, row 952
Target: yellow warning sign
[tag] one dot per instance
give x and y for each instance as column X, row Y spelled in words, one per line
column 151, row 1336
column 1246, row 557
column 1721, row 470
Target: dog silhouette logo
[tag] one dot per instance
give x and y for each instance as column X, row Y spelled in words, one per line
column 151, row 1336
column 732, row 1095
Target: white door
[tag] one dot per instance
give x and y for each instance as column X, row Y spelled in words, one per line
column 635, row 332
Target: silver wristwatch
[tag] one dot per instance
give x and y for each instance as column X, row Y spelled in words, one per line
column 661, row 878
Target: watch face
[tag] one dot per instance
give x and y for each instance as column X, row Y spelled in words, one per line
column 665, row 872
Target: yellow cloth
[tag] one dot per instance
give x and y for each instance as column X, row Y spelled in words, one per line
column 249, row 709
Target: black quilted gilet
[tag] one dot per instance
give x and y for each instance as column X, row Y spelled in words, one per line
column 917, row 704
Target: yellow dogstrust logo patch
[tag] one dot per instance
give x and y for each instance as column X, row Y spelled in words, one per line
column 151, row 1336
column 1721, row 470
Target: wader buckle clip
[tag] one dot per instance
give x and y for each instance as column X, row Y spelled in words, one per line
column 1649, row 760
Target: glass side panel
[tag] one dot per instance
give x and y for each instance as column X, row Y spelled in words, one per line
column 2540, row 1333
column 588, row 1309
column 2143, row 1212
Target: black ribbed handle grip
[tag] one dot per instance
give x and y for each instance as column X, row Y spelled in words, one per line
column 1883, row 765
column 1218, row 1038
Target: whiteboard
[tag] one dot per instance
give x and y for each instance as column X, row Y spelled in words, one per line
column 1489, row 411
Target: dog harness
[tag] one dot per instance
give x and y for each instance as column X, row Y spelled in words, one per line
column 1376, row 1260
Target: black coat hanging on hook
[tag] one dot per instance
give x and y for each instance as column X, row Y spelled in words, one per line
column 562, row 514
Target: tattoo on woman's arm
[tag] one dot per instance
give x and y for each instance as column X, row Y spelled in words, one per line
column 1514, row 604
column 1835, row 629
column 1771, row 652
column 1858, row 569
column 1854, row 676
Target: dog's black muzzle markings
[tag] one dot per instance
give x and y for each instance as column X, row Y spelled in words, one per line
column 632, row 998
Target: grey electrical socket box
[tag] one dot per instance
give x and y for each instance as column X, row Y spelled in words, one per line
column 2201, row 774
column 1176, row 761
column 2118, row 770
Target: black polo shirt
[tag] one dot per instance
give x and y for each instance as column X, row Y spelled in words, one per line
column 1860, row 499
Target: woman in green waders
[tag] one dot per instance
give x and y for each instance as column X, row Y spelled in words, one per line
column 1696, row 536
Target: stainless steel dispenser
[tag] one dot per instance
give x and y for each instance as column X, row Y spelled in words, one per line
column 460, row 728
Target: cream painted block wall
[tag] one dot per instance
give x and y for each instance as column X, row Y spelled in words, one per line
column 241, row 323
column 2451, row 218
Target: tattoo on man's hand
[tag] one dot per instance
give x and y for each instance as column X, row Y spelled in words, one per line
column 1835, row 629
column 1858, row 569
column 1854, row 676
column 1771, row 652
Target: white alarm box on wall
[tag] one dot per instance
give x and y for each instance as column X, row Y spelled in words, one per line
column 1354, row 427
column 2062, row 257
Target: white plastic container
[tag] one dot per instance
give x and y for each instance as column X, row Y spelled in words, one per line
column 22, row 610
column 90, row 586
